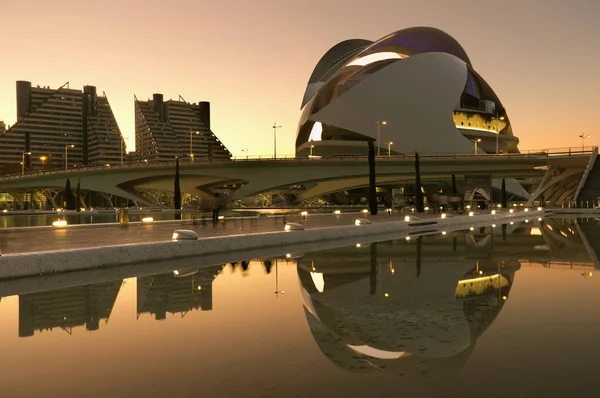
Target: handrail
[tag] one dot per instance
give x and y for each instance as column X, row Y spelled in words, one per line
column 286, row 159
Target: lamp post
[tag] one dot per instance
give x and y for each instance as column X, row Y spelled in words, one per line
column 378, row 135
column 389, row 144
column 275, row 127
column 311, row 149
column 497, row 131
column 67, row 146
column 475, row 145
column 192, row 144
column 43, row 159
column 583, row 137
column 23, row 162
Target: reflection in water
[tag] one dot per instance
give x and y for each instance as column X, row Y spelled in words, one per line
column 371, row 311
column 180, row 291
column 425, row 301
column 67, row 308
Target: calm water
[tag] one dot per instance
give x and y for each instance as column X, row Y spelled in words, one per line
column 508, row 312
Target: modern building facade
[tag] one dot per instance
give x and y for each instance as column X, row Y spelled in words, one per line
column 165, row 130
column 61, row 127
column 413, row 90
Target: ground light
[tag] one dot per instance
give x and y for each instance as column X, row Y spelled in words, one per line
column 59, row 223
column 148, row 220
column 292, row 226
column 304, row 214
column 365, row 211
column 362, row 221
column 184, row 234
column 337, row 212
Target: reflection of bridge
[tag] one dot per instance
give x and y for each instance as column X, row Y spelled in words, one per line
column 317, row 176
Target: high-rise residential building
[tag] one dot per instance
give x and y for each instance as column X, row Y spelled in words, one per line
column 168, row 129
column 61, row 127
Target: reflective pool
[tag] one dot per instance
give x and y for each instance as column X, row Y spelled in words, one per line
column 511, row 311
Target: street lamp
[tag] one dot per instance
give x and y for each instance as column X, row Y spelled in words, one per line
column 475, row 144
column 378, row 134
column 583, row 137
column 192, row 144
column 23, row 162
column 43, row 159
column 67, row 146
column 275, row 127
column 497, row 131
column 311, row 149
column 389, row 144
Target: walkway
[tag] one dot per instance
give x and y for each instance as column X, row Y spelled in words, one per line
column 31, row 240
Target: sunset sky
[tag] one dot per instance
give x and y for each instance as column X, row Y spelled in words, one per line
column 252, row 58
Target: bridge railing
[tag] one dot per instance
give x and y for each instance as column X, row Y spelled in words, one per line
column 568, row 151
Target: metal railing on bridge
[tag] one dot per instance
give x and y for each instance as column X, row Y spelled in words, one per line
column 573, row 151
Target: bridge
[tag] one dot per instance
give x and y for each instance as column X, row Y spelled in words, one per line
column 561, row 172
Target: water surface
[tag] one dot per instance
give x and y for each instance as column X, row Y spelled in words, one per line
column 507, row 311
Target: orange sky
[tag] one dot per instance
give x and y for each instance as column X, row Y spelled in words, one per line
column 252, row 59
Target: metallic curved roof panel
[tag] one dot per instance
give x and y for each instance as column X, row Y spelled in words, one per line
column 333, row 59
column 419, row 40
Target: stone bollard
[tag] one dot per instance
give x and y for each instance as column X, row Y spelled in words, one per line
column 124, row 217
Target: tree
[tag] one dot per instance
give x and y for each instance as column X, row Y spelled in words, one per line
column 372, row 189
column 68, row 196
column 504, row 196
column 419, row 199
column 454, row 190
column 78, row 196
column 177, row 192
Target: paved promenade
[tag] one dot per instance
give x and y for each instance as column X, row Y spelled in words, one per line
column 36, row 239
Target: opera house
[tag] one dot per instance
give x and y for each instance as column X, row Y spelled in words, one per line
column 413, row 90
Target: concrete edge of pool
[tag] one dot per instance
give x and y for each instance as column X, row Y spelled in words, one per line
column 51, row 262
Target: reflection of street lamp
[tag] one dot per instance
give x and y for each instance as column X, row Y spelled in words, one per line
column 191, row 145
column 311, row 149
column 497, row 131
column 389, row 144
column 67, row 146
column 583, row 137
column 378, row 133
column 475, row 144
column 23, row 162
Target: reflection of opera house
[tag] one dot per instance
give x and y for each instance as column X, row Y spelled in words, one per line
column 420, row 81
column 418, row 319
